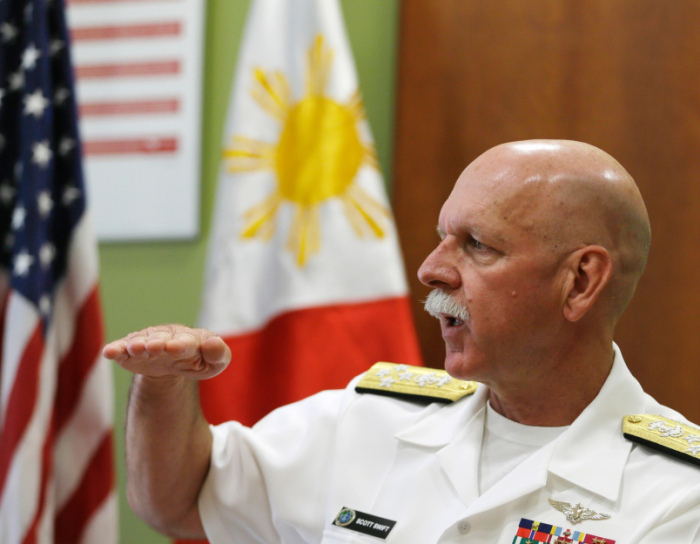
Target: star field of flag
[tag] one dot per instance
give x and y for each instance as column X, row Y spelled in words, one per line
column 41, row 185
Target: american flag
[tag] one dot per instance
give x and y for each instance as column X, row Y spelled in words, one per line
column 56, row 431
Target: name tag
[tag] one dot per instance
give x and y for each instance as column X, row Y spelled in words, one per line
column 364, row 523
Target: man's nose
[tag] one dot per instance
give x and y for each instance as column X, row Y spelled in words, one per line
column 438, row 269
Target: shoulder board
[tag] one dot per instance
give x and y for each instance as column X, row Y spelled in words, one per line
column 414, row 383
column 665, row 435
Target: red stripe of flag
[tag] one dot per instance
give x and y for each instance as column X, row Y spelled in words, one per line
column 21, row 402
column 131, row 69
column 112, row 32
column 30, row 537
column 95, row 487
column 303, row 367
column 170, row 105
column 131, row 146
column 76, row 364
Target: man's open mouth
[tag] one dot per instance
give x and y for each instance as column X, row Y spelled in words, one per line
column 446, row 308
column 452, row 321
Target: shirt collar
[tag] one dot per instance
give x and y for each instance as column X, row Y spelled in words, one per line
column 440, row 427
column 592, row 453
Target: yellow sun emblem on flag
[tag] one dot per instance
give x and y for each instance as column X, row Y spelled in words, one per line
column 316, row 158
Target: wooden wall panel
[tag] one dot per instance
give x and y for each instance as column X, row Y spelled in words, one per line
column 622, row 75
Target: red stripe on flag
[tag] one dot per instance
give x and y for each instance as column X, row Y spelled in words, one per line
column 21, row 402
column 130, row 69
column 131, row 147
column 94, row 488
column 76, row 364
column 30, row 537
column 288, row 361
column 112, row 32
column 140, row 107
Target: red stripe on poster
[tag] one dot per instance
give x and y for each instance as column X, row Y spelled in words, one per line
column 128, row 69
column 138, row 107
column 79, row 2
column 113, row 32
column 134, row 146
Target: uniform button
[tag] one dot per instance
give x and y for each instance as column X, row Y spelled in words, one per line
column 464, row 527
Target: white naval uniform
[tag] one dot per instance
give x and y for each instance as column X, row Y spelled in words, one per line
column 285, row 480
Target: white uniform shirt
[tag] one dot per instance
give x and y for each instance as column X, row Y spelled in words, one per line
column 286, row 480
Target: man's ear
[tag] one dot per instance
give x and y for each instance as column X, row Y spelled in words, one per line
column 589, row 273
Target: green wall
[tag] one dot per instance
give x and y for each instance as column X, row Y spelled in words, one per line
column 149, row 283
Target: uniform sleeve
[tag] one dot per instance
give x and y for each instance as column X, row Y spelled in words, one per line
column 270, row 482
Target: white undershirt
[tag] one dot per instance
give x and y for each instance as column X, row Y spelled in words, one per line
column 506, row 444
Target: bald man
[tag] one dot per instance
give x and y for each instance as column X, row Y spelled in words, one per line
column 536, row 432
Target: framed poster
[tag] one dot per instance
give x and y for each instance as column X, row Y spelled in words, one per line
column 138, row 67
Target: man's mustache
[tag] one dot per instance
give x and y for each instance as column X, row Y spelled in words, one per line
column 440, row 303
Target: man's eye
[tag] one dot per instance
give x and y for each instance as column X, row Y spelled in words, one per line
column 476, row 244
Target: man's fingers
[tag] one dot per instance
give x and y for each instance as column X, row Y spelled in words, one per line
column 114, row 350
column 156, row 340
column 170, row 350
column 136, row 347
column 182, row 345
column 215, row 350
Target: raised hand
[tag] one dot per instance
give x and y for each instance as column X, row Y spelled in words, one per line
column 171, row 350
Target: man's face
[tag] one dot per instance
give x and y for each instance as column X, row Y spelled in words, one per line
column 495, row 258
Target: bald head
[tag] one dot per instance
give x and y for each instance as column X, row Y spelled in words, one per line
column 570, row 195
